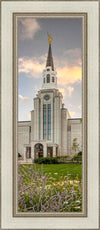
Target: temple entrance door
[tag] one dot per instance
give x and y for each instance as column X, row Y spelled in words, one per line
column 50, row 151
column 38, row 150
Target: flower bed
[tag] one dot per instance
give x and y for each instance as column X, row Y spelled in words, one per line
column 38, row 192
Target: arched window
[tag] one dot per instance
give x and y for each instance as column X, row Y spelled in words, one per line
column 48, row 78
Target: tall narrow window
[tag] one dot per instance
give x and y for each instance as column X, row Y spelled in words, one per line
column 44, row 121
column 49, row 121
column 48, row 78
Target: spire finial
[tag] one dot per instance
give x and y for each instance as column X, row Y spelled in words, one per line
column 49, row 38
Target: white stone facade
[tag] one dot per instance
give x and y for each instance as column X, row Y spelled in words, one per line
column 70, row 129
column 63, row 129
column 51, row 130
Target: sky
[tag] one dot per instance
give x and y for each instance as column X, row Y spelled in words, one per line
column 32, row 55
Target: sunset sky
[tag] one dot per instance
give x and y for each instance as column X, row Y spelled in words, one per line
column 32, row 55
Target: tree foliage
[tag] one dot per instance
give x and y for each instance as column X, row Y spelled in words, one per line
column 75, row 146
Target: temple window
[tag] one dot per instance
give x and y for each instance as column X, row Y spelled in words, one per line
column 48, row 78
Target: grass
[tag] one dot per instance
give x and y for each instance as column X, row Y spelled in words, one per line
column 57, row 171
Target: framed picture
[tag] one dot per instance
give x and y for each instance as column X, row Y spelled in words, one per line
column 50, row 156
column 52, row 136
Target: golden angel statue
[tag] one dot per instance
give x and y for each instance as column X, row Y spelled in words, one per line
column 50, row 38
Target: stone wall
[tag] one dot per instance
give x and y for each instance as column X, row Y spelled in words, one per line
column 24, row 135
column 70, row 129
column 74, row 130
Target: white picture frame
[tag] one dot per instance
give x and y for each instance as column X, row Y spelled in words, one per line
column 8, row 221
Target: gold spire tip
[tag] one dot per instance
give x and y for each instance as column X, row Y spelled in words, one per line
column 49, row 38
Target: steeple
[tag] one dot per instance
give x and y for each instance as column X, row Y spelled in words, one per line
column 49, row 73
column 50, row 58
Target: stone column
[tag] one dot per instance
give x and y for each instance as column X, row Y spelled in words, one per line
column 32, row 152
column 52, row 131
column 64, row 132
column 45, row 150
column 24, row 154
column 54, row 151
column 34, row 120
column 37, row 120
column 41, row 120
column 55, row 120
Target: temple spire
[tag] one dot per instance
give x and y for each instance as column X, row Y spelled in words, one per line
column 50, row 58
column 49, row 73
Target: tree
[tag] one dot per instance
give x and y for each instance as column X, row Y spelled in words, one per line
column 75, row 147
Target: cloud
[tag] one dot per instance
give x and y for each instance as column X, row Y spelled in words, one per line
column 70, row 90
column 73, row 57
column 69, row 75
column 62, row 90
column 31, row 66
column 80, row 107
column 28, row 27
column 29, row 115
column 70, row 105
column 66, row 92
column 69, row 58
column 72, row 113
column 69, row 67
column 36, row 89
column 23, row 99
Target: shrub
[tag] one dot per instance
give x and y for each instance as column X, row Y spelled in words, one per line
column 46, row 160
column 75, row 146
column 19, row 155
column 59, row 157
column 77, row 158
column 80, row 153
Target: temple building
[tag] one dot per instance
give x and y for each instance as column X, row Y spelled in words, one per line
column 51, row 130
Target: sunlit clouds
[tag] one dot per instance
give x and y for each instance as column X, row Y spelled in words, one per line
column 80, row 107
column 72, row 113
column 66, row 91
column 70, row 90
column 29, row 27
column 69, row 75
column 67, row 57
column 31, row 67
column 73, row 57
column 69, row 69
column 63, row 91
column 29, row 115
column 23, row 99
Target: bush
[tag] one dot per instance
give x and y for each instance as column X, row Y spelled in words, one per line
column 19, row 155
column 77, row 158
column 58, row 160
column 59, row 157
column 46, row 160
column 80, row 153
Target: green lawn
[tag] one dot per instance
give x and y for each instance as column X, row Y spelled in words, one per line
column 58, row 170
